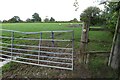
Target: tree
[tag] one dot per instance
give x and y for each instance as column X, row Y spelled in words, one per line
column 74, row 20
column 36, row 17
column 4, row 21
column 52, row 19
column 15, row 19
column 90, row 14
column 29, row 20
column 46, row 19
column 111, row 16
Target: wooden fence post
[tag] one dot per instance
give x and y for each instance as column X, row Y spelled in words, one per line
column 84, row 43
column 115, row 54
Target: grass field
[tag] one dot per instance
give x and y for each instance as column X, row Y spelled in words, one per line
column 102, row 38
column 99, row 41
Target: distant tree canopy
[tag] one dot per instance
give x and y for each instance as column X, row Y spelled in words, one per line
column 4, row 21
column 46, row 20
column 15, row 19
column 52, row 19
column 36, row 17
column 29, row 20
column 74, row 20
column 91, row 14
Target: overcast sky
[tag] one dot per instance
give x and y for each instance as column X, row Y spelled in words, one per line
column 61, row 10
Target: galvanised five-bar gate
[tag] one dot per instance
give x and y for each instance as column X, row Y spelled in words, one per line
column 45, row 48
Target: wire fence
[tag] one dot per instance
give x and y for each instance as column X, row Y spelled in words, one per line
column 45, row 48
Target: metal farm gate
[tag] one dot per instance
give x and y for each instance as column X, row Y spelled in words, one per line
column 45, row 48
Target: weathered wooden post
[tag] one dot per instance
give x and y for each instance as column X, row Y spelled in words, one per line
column 115, row 44
column 114, row 59
column 84, row 42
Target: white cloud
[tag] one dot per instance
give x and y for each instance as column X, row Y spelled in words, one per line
column 58, row 9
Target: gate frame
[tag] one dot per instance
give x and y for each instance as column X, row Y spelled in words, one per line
column 39, row 46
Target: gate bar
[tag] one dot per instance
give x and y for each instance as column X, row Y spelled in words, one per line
column 35, row 55
column 40, row 41
column 39, row 51
column 35, row 39
column 42, row 65
column 12, row 41
column 37, row 46
column 35, row 32
column 72, row 48
column 52, row 34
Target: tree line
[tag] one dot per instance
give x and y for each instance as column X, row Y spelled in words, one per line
column 35, row 18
